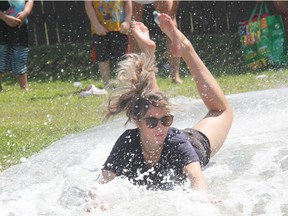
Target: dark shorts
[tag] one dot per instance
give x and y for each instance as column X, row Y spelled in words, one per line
column 13, row 58
column 201, row 145
column 112, row 46
column 13, row 36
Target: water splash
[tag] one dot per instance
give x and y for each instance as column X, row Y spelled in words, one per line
column 249, row 174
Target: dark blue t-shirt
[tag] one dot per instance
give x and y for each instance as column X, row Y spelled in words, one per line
column 126, row 159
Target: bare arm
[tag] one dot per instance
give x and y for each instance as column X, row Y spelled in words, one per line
column 100, row 204
column 106, row 176
column 10, row 20
column 100, row 29
column 28, row 6
column 195, row 175
column 27, row 10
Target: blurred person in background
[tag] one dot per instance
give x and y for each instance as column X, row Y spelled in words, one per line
column 110, row 23
column 169, row 7
column 14, row 40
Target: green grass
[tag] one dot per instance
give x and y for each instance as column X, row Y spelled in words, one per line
column 52, row 109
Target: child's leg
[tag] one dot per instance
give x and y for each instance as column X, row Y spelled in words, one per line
column 104, row 68
column 19, row 57
column 4, row 62
column 174, row 63
column 23, row 81
column 101, row 43
column 1, row 81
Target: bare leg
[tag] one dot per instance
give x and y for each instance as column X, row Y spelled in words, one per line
column 170, row 7
column 147, row 46
column 216, row 124
column 104, row 68
column 1, row 81
column 137, row 12
column 174, row 63
column 23, row 81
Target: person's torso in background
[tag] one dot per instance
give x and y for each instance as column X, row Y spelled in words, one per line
column 109, row 13
column 13, row 7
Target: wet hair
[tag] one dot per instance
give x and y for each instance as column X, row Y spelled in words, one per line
column 134, row 96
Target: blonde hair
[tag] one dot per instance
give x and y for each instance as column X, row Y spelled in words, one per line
column 136, row 95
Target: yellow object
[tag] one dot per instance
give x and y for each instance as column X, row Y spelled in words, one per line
column 110, row 14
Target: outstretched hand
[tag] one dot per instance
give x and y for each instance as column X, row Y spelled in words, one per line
column 94, row 203
column 204, row 197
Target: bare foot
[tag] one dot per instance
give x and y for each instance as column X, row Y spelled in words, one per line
column 179, row 43
column 176, row 80
column 175, row 69
column 141, row 34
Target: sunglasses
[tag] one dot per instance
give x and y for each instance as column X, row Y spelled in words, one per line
column 152, row 122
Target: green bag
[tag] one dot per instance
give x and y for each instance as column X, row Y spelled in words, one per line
column 263, row 38
column 278, row 42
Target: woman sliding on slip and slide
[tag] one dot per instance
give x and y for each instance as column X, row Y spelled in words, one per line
column 154, row 154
